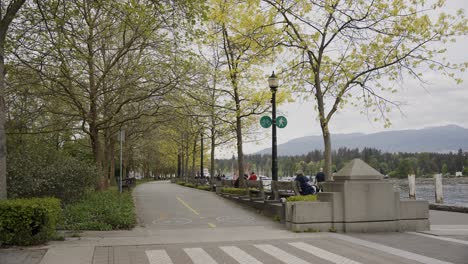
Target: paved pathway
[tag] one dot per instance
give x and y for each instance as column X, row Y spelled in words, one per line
column 184, row 225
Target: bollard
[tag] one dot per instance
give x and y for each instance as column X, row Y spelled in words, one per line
column 412, row 186
column 439, row 195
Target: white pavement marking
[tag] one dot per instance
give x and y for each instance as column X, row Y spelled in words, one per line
column 390, row 250
column 323, row 254
column 281, row 254
column 158, row 257
column 240, row 256
column 199, row 256
column 440, row 238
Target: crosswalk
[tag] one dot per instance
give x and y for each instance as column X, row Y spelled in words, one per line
column 295, row 252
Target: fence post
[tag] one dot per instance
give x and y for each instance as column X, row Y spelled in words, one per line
column 439, row 195
column 412, row 186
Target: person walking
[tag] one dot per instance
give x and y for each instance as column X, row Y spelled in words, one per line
column 319, row 178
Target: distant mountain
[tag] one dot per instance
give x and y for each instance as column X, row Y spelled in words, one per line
column 433, row 139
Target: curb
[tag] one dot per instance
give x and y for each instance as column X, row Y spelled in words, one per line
column 449, row 208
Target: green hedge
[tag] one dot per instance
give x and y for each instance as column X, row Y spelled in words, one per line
column 310, row 198
column 181, row 183
column 28, row 221
column 106, row 210
column 204, row 188
column 40, row 171
column 235, row 191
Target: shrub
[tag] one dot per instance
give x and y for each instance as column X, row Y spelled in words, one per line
column 235, row 191
column 28, row 221
column 204, row 188
column 107, row 210
column 40, row 171
column 181, row 183
column 189, row 185
column 297, row 198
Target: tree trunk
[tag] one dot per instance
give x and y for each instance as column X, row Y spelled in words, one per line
column 187, row 157
column 240, row 153
column 97, row 153
column 194, row 156
column 109, row 159
column 3, row 151
column 6, row 17
column 213, row 148
column 327, row 152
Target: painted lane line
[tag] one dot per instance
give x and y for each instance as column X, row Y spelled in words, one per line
column 199, row 256
column 440, row 238
column 390, row 250
column 323, row 254
column 211, row 225
column 280, row 254
column 188, row 206
column 158, row 257
column 239, row 255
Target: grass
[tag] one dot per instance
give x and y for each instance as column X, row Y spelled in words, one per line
column 297, row 198
column 106, row 210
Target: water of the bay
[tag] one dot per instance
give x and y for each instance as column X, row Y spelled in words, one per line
column 456, row 194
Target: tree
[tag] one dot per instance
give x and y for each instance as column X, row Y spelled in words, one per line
column 444, row 169
column 360, row 49
column 7, row 14
column 240, row 27
column 109, row 63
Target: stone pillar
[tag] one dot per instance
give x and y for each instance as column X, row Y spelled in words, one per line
column 412, row 186
column 439, row 195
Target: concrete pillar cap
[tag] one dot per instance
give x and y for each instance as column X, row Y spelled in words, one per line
column 357, row 169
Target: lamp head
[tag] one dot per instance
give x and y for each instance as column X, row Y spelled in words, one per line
column 273, row 82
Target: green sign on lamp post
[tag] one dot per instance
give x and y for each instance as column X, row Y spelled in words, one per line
column 265, row 121
column 281, row 122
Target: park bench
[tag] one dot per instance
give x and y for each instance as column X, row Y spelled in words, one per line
column 227, row 183
column 128, row 183
column 195, row 182
column 283, row 189
column 256, row 191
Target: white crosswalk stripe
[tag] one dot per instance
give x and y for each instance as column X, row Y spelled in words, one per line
column 280, row 254
column 390, row 250
column 199, row 256
column 240, row 256
column 326, row 255
column 158, row 257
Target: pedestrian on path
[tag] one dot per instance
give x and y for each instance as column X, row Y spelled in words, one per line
column 319, row 178
column 253, row 176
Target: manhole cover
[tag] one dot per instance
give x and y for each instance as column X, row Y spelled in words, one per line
column 172, row 221
column 234, row 219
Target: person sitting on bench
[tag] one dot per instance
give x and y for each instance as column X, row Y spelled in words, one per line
column 306, row 188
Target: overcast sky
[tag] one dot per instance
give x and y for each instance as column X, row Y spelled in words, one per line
column 441, row 102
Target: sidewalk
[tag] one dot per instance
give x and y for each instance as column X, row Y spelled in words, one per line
column 191, row 218
column 81, row 250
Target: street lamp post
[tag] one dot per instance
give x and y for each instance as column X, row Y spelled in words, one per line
column 273, row 83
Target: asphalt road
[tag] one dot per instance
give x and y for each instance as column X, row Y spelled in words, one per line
column 170, row 206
